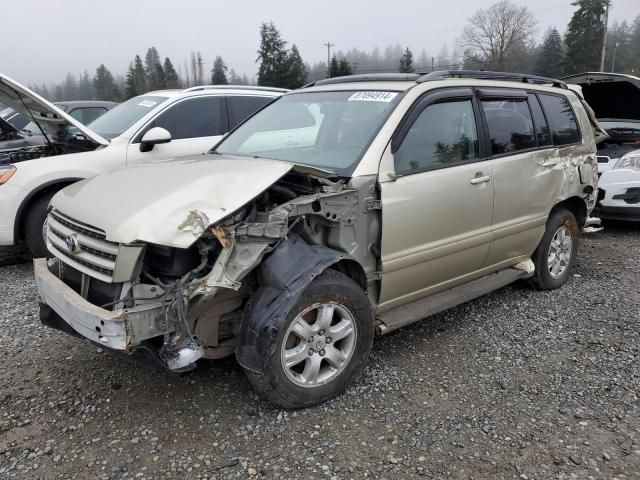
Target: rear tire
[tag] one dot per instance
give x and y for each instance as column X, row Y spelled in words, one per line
column 556, row 255
column 34, row 226
column 308, row 366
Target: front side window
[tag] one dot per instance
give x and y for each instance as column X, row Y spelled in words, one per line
column 510, row 125
column 326, row 130
column 191, row 118
column 564, row 128
column 444, row 134
column 240, row 108
column 123, row 116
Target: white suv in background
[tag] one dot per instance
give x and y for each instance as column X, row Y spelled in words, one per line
column 154, row 126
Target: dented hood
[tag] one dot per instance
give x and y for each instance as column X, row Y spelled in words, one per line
column 50, row 117
column 168, row 203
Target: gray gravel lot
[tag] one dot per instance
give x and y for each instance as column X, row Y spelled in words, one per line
column 517, row 384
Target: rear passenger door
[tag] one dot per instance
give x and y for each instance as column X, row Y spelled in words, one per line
column 195, row 125
column 528, row 175
column 436, row 211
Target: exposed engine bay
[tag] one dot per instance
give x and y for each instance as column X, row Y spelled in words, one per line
column 60, row 144
column 202, row 293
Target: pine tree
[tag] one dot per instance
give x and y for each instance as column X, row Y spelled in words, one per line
column 70, row 88
column 633, row 59
column 334, row 67
column 550, row 59
column 297, row 72
column 344, row 68
column 85, row 87
column 103, row 84
column 584, row 36
column 234, row 78
column 219, row 72
column 135, row 83
column 44, row 91
column 172, row 80
column 272, row 56
column 406, row 62
column 619, row 47
column 153, row 71
column 131, row 86
column 141, row 82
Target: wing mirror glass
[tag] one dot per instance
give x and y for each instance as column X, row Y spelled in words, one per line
column 153, row 137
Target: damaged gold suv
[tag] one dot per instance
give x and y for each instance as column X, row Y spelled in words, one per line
column 345, row 209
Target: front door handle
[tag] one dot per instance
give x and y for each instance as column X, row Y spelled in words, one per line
column 483, row 179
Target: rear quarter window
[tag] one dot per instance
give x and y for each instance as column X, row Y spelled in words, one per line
column 562, row 120
column 241, row 107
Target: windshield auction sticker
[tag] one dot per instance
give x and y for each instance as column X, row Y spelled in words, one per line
column 147, row 103
column 372, row 97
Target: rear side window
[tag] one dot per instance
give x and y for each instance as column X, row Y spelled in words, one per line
column 540, row 123
column 88, row 114
column 240, row 108
column 443, row 135
column 510, row 125
column 564, row 128
column 192, row 118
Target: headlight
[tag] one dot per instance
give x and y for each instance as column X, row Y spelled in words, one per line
column 631, row 160
column 6, row 172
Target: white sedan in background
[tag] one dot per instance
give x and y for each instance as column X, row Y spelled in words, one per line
column 154, row 126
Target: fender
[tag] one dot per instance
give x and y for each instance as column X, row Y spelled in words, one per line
column 282, row 276
column 17, row 222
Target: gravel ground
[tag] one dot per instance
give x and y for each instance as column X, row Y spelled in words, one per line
column 517, row 384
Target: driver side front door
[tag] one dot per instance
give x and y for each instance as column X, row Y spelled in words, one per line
column 437, row 208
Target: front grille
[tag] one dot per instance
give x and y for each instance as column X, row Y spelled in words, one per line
column 83, row 247
column 95, row 291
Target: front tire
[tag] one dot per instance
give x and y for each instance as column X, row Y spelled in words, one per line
column 34, row 226
column 557, row 253
column 324, row 342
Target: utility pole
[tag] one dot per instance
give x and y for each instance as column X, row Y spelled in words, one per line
column 613, row 60
column 604, row 35
column 328, row 45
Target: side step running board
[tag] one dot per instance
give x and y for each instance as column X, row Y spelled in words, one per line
column 404, row 315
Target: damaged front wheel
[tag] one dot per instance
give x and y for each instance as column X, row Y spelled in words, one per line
column 325, row 341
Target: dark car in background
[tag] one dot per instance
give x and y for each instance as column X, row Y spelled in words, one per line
column 17, row 130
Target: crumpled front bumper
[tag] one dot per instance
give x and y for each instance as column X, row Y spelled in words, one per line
column 119, row 330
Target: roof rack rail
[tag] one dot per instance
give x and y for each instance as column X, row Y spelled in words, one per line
column 488, row 75
column 368, row 77
column 235, row 87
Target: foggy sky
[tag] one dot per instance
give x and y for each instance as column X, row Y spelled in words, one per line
column 42, row 40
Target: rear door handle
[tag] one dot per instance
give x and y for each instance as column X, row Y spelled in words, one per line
column 477, row 180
